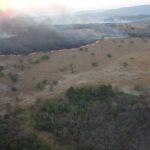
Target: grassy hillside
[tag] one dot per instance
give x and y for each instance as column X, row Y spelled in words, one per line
column 122, row 62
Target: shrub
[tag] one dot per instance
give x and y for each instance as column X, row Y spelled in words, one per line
column 109, row 55
column 95, row 117
column 131, row 58
column 2, row 74
column 44, row 57
column 51, row 87
column 119, row 46
column 13, row 77
column 81, row 49
column 1, row 68
column 55, row 82
column 86, row 49
column 37, row 61
column 125, row 64
column 131, row 42
column 71, row 68
column 41, row 85
column 122, row 41
column 92, row 54
column 14, row 89
column 12, row 138
column 95, row 64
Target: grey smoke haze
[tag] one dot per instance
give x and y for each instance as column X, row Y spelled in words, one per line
column 24, row 34
column 27, row 34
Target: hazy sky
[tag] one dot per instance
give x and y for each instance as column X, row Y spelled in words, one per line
column 25, row 5
column 100, row 4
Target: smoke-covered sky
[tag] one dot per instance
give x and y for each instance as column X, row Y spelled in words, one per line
column 70, row 5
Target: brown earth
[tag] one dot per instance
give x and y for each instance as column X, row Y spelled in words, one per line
column 124, row 63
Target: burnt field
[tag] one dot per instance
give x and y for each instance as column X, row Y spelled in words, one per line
column 24, row 35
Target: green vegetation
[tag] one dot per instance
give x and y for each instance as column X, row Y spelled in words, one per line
column 55, row 82
column 131, row 58
column 86, row 118
column 1, row 71
column 19, row 67
column 14, row 89
column 131, row 42
column 2, row 74
column 81, row 49
column 44, row 57
column 125, row 64
column 41, row 85
column 1, row 68
column 95, row 64
column 37, row 61
column 95, row 118
column 13, row 77
column 109, row 55
column 93, row 54
column 71, row 68
column 84, row 49
column 12, row 138
column 119, row 46
column 122, row 41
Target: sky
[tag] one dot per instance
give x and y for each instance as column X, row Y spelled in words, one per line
column 72, row 5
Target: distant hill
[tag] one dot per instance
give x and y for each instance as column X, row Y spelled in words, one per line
column 116, row 15
column 128, row 11
column 125, row 11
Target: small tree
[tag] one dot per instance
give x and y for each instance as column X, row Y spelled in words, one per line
column 71, row 68
column 92, row 54
column 1, row 68
column 86, row 49
column 13, row 77
column 81, row 49
column 95, row 64
column 44, row 57
column 109, row 55
column 125, row 64
column 14, row 89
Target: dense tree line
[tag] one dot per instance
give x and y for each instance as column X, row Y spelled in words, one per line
column 13, row 138
column 96, row 118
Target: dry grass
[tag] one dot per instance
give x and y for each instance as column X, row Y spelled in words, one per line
column 57, row 68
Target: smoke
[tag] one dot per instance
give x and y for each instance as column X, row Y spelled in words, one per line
column 41, row 31
column 28, row 34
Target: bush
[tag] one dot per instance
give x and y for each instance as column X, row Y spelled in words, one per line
column 95, row 64
column 92, row 54
column 37, row 61
column 81, row 49
column 55, row 82
column 11, row 138
column 125, row 64
column 44, row 57
column 1, row 68
column 131, row 42
column 14, row 89
column 109, row 55
column 40, row 86
column 86, row 49
column 95, row 117
column 2, row 74
column 13, row 77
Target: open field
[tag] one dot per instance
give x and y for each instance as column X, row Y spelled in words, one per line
column 124, row 63
column 74, row 79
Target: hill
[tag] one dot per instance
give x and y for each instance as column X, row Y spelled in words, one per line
column 128, row 11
